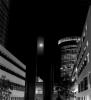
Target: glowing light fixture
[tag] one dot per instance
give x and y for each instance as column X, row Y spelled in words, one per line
column 40, row 45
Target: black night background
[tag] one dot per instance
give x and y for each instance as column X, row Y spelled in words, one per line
column 52, row 21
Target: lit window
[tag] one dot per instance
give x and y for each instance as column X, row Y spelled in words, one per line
column 87, row 43
column 84, row 34
column 76, row 69
column 88, row 57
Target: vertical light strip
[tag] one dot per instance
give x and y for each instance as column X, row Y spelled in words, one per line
column 88, row 57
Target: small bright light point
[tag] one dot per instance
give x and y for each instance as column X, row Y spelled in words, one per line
column 73, row 79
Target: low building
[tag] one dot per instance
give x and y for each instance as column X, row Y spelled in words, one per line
column 13, row 70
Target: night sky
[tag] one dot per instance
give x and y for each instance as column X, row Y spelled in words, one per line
column 52, row 21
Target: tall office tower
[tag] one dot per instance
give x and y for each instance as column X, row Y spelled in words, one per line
column 4, row 7
column 69, row 49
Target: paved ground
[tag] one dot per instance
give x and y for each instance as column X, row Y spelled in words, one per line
column 40, row 97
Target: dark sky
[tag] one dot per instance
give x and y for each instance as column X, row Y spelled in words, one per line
column 50, row 20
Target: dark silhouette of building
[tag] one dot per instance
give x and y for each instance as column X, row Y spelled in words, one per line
column 4, row 9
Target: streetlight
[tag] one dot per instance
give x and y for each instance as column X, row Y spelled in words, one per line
column 40, row 45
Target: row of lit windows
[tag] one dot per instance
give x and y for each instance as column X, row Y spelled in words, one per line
column 69, row 56
column 17, row 87
column 84, row 83
column 84, row 64
column 86, row 60
column 71, row 50
column 81, row 98
column 83, row 37
column 69, row 47
column 82, row 55
column 17, row 98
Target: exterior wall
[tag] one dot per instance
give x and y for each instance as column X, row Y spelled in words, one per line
column 88, row 38
column 11, row 66
column 87, row 69
column 13, row 73
column 5, row 52
column 12, row 78
column 16, row 93
column 39, row 97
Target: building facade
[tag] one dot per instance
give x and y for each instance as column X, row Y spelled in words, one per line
column 12, row 75
column 68, row 49
column 82, row 72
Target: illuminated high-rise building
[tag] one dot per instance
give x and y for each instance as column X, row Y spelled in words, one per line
column 4, row 9
column 68, row 49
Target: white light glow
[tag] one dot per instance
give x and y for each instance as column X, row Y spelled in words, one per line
column 39, row 79
column 41, row 45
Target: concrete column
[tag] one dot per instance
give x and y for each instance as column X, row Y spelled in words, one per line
column 47, row 89
column 48, row 79
column 31, row 71
column 50, row 45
